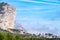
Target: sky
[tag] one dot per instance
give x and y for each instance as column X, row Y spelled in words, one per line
column 38, row 16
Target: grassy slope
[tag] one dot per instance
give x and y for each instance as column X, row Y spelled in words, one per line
column 10, row 36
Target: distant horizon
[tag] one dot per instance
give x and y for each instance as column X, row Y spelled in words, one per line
column 37, row 16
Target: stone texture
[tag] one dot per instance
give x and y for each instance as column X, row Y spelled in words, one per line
column 7, row 16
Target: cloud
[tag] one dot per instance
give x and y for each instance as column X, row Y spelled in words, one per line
column 40, row 25
column 40, row 18
column 42, row 2
column 33, row 24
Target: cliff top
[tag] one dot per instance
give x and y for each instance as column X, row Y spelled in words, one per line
column 4, row 5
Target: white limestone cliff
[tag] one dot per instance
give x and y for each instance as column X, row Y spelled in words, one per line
column 7, row 16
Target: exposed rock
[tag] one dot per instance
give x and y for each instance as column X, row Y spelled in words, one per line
column 16, row 31
column 7, row 16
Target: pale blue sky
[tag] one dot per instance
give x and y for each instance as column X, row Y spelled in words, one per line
column 38, row 16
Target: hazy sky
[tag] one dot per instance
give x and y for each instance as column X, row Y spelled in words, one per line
column 38, row 16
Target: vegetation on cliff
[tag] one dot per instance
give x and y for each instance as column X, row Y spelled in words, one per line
column 10, row 36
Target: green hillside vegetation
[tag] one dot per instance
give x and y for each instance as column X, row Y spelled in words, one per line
column 10, row 36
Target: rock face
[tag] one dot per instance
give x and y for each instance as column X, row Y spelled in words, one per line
column 7, row 16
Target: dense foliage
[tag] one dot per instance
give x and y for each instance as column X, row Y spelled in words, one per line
column 10, row 36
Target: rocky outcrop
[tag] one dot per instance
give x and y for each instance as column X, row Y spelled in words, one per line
column 16, row 31
column 7, row 16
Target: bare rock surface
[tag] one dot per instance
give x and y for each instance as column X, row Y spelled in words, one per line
column 7, row 16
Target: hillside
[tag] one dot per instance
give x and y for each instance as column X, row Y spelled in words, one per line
column 10, row 36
